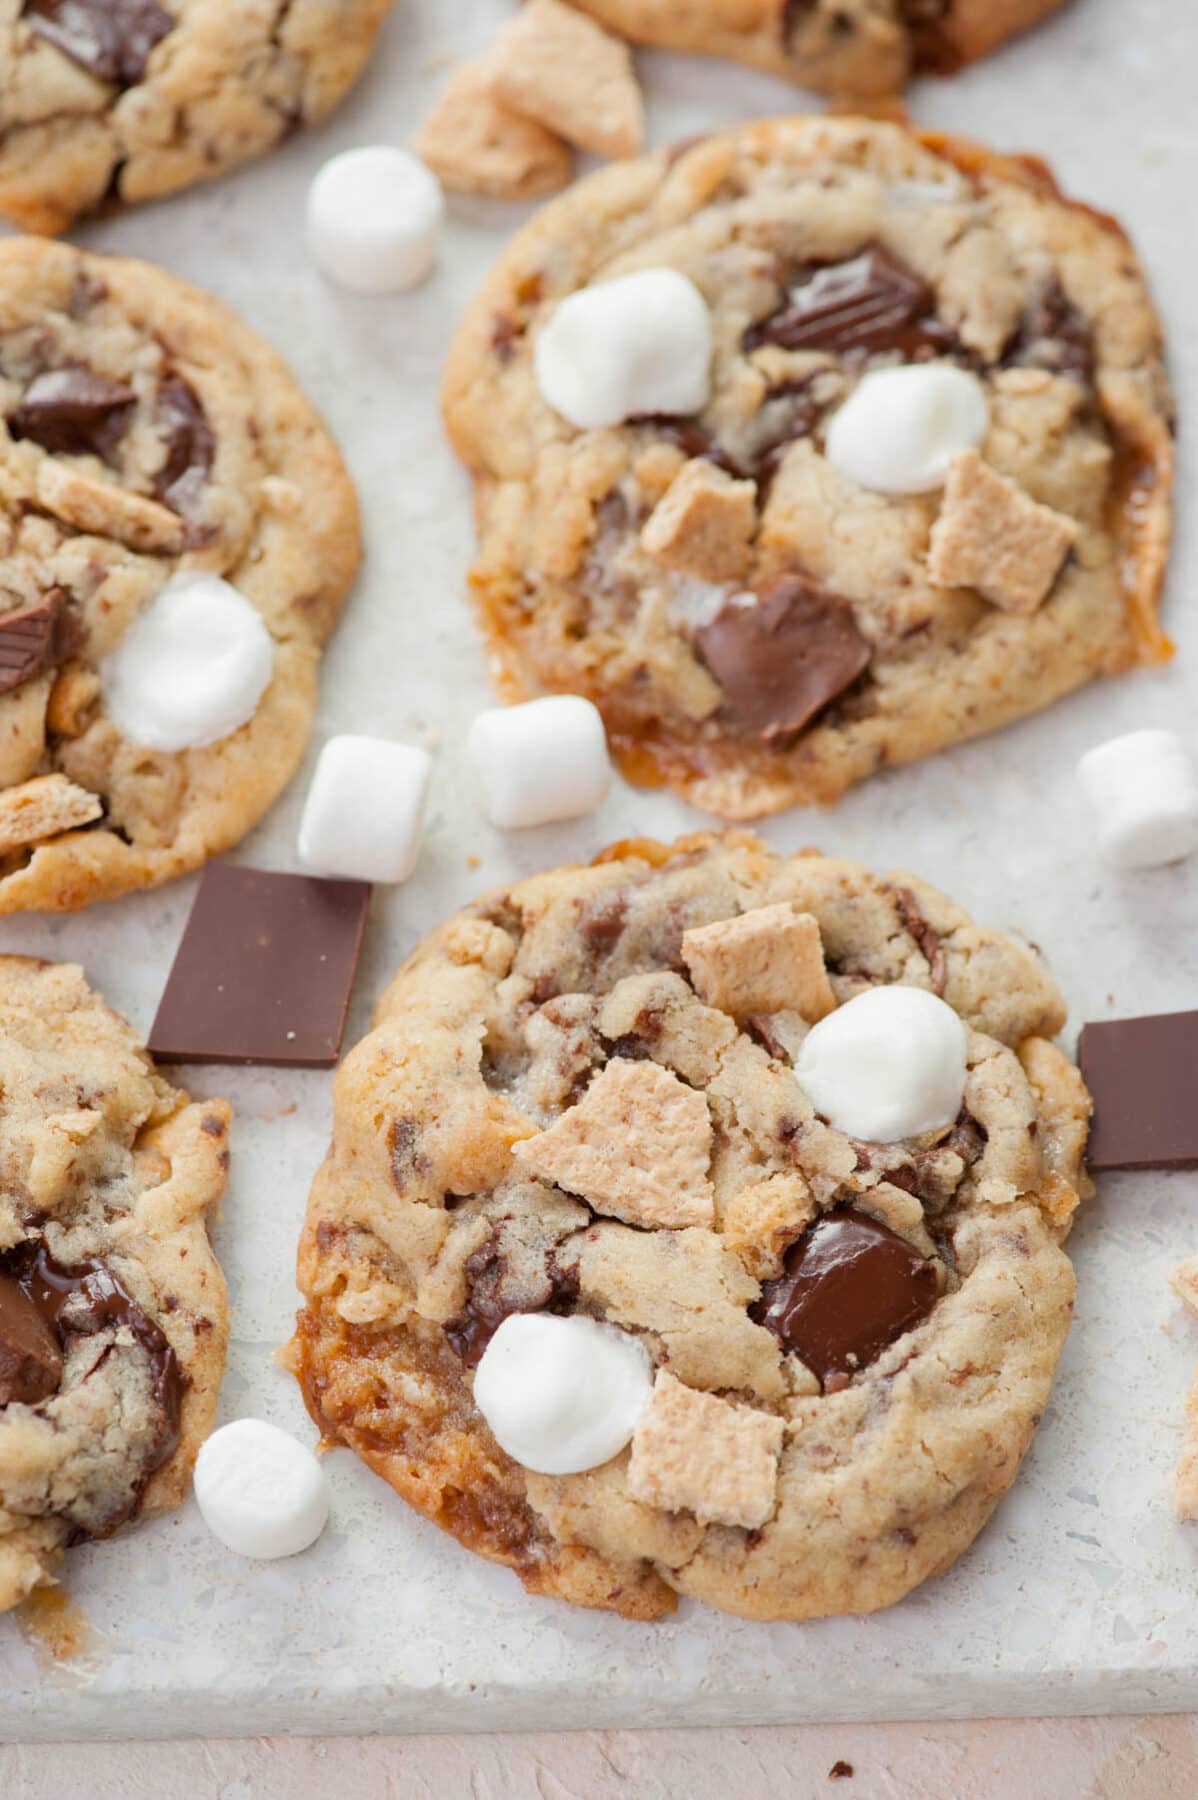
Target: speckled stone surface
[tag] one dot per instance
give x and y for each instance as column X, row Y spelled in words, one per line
column 1080, row 1595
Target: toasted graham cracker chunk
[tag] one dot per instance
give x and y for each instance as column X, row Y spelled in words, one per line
column 1185, row 1476
column 704, row 523
column 475, row 144
column 636, row 1146
column 764, row 961
column 1184, row 1282
column 97, row 506
column 993, row 537
column 695, row 1453
column 763, row 1220
column 41, row 808
column 560, row 68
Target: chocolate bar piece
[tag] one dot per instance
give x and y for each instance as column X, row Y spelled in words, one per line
column 265, row 971
column 1143, row 1076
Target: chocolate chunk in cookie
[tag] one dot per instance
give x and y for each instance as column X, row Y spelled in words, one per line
column 27, row 640
column 30, row 1352
column 783, row 656
column 111, row 39
column 849, row 1288
column 73, row 411
column 189, row 443
column 870, row 304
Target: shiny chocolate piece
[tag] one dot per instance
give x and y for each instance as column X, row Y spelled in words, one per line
column 30, row 1352
column 850, row 1286
column 871, row 304
column 265, row 971
column 111, row 39
column 1054, row 335
column 1143, row 1078
column 190, row 446
column 73, row 412
column 782, row 659
column 28, row 640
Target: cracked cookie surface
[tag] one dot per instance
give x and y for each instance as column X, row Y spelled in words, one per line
column 613, row 562
column 147, row 433
column 113, row 1317
column 132, row 99
column 852, row 47
column 548, row 1117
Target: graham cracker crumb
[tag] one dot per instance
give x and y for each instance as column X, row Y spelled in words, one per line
column 992, row 537
column 764, row 961
column 704, row 524
column 1185, row 1476
column 41, row 808
column 1184, row 1282
column 556, row 66
column 636, row 1146
column 693, row 1452
column 112, row 512
column 762, row 1221
column 475, row 144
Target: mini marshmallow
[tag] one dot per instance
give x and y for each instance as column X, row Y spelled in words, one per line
column 191, row 668
column 260, row 1491
column 562, row 1395
column 364, row 814
column 886, row 1065
column 540, row 762
column 374, row 219
column 1143, row 789
column 640, row 343
column 900, row 429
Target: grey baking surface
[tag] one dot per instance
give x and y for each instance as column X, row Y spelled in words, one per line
column 1080, row 1595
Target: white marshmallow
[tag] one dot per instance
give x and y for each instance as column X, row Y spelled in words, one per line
column 900, row 429
column 886, row 1065
column 540, row 762
column 1143, row 789
column 364, row 814
column 641, row 343
column 191, row 668
column 261, row 1491
column 562, row 1395
column 374, row 219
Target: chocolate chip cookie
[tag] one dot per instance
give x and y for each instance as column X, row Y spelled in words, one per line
column 177, row 535
column 113, row 1320
column 129, row 100
column 854, row 47
column 583, row 1099
column 764, row 596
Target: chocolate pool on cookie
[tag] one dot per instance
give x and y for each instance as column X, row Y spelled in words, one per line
column 693, row 1225
column 811, row 448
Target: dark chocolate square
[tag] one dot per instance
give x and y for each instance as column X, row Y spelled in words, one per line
column 1143, row 1075
column 265, row 971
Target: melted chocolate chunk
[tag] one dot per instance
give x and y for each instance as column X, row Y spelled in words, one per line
column 79, row 1300
column 781, row 660
column 30, row 1353
column 73, row 412
column 111, row 39
column 931, row 47
column 1141, row 1074
column 190, row 446
column 28, row 640
column 507, row 1275
column 866, row 306
column 930, row 943
column 849, row 1288
column 692, row 438
column 1055, row 335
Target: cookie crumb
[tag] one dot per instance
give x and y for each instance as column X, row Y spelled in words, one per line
column 560, row 68
column 475, row 144
column 693, row 1452
column 1185, row 1476
column 993, row 537
column 765, row 961
column 704, row 523
column 636, row 1146
column 1184, row 1282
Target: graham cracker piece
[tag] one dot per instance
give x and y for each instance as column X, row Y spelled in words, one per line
column 107, row 511
column 41, row 808
column 764, row 961
column 994, row 538
column 636, row 1146
column 704, row 523
column 693, row 1452
column 475, row 144
column 556, row 66
column 763, row 1220
column 1184, row 1282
